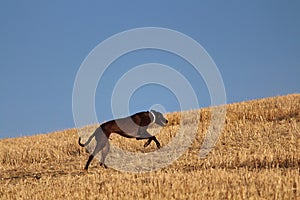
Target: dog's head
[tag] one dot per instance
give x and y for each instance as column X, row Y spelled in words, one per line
column 159, row 118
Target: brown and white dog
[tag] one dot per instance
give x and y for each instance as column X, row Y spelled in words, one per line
column 134, row 126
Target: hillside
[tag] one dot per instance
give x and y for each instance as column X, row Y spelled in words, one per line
column 257, row 156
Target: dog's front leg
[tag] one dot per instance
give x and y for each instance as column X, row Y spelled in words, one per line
column 150, row 140
column 155, row 140
column 143, row 134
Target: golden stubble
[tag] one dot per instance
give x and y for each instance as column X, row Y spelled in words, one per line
column 257, row 156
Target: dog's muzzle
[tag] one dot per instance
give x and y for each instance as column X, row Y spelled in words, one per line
column 165, row 122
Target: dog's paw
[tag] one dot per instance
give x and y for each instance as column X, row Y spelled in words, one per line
column 103, row 165
column 158, row 145
column 147, row 143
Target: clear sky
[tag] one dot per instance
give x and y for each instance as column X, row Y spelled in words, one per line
column 255, row 44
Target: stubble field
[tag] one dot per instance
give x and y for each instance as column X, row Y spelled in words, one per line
column 257, row 156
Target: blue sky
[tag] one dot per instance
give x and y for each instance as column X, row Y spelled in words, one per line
column 255, row 45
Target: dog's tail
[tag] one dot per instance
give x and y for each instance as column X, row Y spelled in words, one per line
column 87, row 142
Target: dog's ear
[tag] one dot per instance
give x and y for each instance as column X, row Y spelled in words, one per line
column 154, row 112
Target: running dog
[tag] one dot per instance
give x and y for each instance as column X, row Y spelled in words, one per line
column 134, row 126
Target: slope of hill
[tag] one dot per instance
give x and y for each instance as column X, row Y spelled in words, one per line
column 257, row 156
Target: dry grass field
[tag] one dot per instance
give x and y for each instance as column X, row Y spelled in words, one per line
column 257, row 156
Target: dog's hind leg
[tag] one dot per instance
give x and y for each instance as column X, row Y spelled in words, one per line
column 105, row 151
column 98, row 148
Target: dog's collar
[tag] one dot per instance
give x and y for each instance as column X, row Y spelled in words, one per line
column 153, row 115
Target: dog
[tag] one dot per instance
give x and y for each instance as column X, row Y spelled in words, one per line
column 134, row 126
